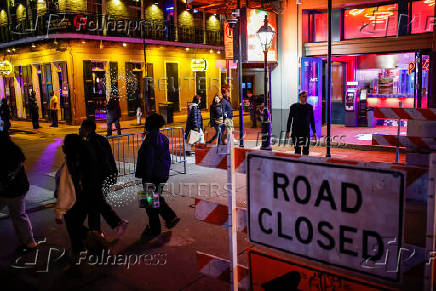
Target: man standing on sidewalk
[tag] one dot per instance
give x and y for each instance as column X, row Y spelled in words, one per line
column 54, row 105
column 301, row 118
column 113, row 114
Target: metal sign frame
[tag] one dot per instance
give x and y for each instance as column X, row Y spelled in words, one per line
column 385, row 171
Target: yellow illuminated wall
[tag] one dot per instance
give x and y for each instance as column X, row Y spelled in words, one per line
column 213, row 23
column 72, row 5
column 21, row 12
column 119, row 8
column 41, row 7
column 3, row 18
column 77, row 52
column 153, row 12
column 186, row 19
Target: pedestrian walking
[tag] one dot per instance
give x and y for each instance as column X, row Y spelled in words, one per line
column 301, row 119
column 113, row 114
column 195, row 121
column 5, row 116
column 34, row 110
column 217, row 118
column 54, row 107
column 153, row 167
column 107, row 175
column 138, row 115
column 253, row 104
column 228, row 112
column 13, row 188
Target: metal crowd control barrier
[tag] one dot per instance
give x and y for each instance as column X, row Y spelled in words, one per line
column 125, row 149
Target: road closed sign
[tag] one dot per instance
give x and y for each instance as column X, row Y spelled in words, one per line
column 335, row 214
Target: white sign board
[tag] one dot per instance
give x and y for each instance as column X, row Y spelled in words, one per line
column 340, row 215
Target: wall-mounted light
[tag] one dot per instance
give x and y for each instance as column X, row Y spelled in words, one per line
column 187, row 49
column 9, row 51
column 33, row 45
column 218, row 52
column 83, row 41
column 211, row 51
column 156, row 3
column 13, row 49
column 124, row 44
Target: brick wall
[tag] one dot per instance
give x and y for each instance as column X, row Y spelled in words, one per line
column 213, row 23
column 21, row 12
column 153, row 12
column 41, row 7
column 119, row 8
column 72, row 6
column 186, row 19
column 3, row 18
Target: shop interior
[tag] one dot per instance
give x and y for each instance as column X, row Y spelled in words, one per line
column 362, row 82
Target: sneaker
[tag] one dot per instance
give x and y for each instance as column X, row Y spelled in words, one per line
column 173, row 223
column 121, row 228
column 148, row 235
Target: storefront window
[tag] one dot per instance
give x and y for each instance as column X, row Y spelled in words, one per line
column 388, row 80
column 422, row 16
column 320, row 27
column 377, row 21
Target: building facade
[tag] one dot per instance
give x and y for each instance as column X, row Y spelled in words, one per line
column 152, row 54
column 381, row 57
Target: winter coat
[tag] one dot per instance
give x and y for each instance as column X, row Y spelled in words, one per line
column 195, row 120
column 228, row 111
column 5, row 113
column 113, row 110
column 13, row 178
column 154, row 159
column 216, row 111
column 103, row 154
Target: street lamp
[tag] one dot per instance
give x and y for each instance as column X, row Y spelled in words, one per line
column 266, row 35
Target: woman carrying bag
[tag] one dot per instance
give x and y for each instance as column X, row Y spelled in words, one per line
column 194, row 123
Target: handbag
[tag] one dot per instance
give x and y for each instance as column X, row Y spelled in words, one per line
column 194, row 137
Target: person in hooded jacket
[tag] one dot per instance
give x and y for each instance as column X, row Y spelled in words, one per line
column 153, row 167
column 195, row 120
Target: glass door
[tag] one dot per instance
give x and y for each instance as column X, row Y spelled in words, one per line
column 311, row 81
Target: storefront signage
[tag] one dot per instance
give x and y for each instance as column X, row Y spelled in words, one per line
column 198, row 65
column 411, row 68
column 347, row 216
column 5, row 67
column 425, row 66
column 228, row 41
column 255, row 19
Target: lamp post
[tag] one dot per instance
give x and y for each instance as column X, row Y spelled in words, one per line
column 266, row 35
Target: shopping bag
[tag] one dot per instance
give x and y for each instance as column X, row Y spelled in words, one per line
column 194, row 137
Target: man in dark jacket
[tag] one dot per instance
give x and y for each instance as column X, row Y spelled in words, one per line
column 34, row 110
column 113, row 115
column 301, row 118
column 107, row 175
column 153, row 167
column 13, row 188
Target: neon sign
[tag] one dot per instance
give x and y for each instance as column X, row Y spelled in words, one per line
column 199, row 65
column 5, row 67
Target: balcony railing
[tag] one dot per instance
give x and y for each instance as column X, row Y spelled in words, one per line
column 108, row 26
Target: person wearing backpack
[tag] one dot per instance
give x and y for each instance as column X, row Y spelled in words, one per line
column 153, row 167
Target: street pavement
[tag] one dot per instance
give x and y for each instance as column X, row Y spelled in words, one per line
column 45, row 270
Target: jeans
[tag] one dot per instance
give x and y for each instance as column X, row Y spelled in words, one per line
column 301, row 142
column 20, row 220
column 164, row 210
column 54, row 118
column 117, row 125
column 219, row 129
column 74, row 219
column 35, row 121
column 102, row 207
